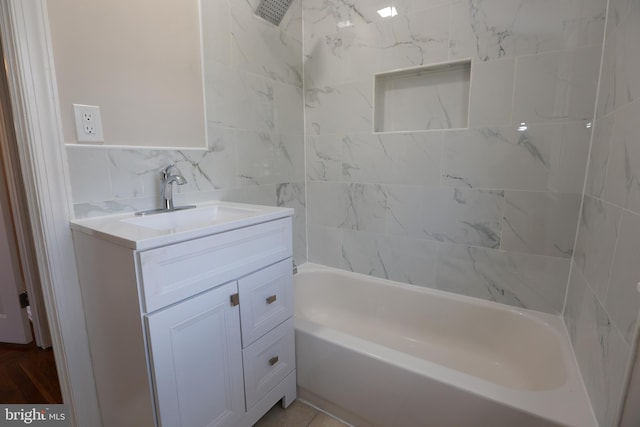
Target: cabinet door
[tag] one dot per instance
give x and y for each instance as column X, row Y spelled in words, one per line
column 197, row 361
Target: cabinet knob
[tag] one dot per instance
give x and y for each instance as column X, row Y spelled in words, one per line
column 271, row 299
column 273, row 360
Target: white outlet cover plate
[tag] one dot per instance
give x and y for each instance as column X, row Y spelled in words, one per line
column 97, row 136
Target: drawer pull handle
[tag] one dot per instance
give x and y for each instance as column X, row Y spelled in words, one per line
column 271, row 299
column 273, row 361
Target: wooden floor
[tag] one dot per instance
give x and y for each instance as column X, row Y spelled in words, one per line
column 28, row 375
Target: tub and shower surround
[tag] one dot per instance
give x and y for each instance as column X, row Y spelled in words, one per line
column 488, row 210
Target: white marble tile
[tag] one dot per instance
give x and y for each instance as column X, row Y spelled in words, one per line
column 599, row 157
column 238, row 100
column 405, row 209
column 622, row 186
column 326, row 204
column 619, row 81
column 325, row 245
column 366, row 206
column 110, row 207
column 550, row 156
column 574, row 304
column 350, row 206
column 89, row 174
column 410, row 260
column 446, row 215
column 596, row 243
column 490, row 29
column 364, row 11
column 289, row 108
column 324, row 157
column 623, row 300
column 199, row 197
column 322, row 17
column 361, row 51
column 460, row 215
column 395, row 158
column 521, row 280
column 291, row 166
column 600, row 350
column 260, row 47
column 345, row 108
column 136, row 173
column 396, row 258
column 491, row 94
column 292, row 195
column 269, row 158
column 407, row 7
column 570, row 143
column 213, row 169
column 420, row 38
column 292, row 21
column 216, row 31
column 541, row 223
column 324, row 61
column 589, row 26
column 556, row 86
column 607, row 90
column 255, row 195
column 627, row 54
column 497, row 158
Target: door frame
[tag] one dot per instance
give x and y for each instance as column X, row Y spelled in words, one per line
column 31, row 79
column 19, row 211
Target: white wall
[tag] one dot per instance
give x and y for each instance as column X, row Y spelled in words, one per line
column 139, row 61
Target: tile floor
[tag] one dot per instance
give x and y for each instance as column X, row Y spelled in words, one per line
column 299, row 414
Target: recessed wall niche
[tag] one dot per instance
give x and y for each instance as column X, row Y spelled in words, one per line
column 433, row 97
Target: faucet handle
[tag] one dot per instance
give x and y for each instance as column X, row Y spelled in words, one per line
column 166, row 172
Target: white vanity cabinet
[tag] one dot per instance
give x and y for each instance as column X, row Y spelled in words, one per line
column 193, row 333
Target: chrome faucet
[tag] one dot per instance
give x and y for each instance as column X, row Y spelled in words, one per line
column 166, row 186
column 167, row 178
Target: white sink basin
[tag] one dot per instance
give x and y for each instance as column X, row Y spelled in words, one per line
column 192, row 218
column 149, row 231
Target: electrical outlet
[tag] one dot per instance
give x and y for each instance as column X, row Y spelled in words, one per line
column 88, row 123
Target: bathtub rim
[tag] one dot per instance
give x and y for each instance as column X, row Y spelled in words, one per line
column 547, row 319
column 533, row 402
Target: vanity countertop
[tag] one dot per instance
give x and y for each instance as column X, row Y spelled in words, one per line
column 149, row 231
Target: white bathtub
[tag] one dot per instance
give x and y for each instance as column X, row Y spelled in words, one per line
column 381, row 353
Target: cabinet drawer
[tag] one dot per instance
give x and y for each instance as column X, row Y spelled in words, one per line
column 173, row 273
column 266, row 300
column 268, row 361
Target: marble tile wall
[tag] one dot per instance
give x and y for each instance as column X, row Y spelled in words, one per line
column 255, row 154
column 602, row 303
column 488, row 210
